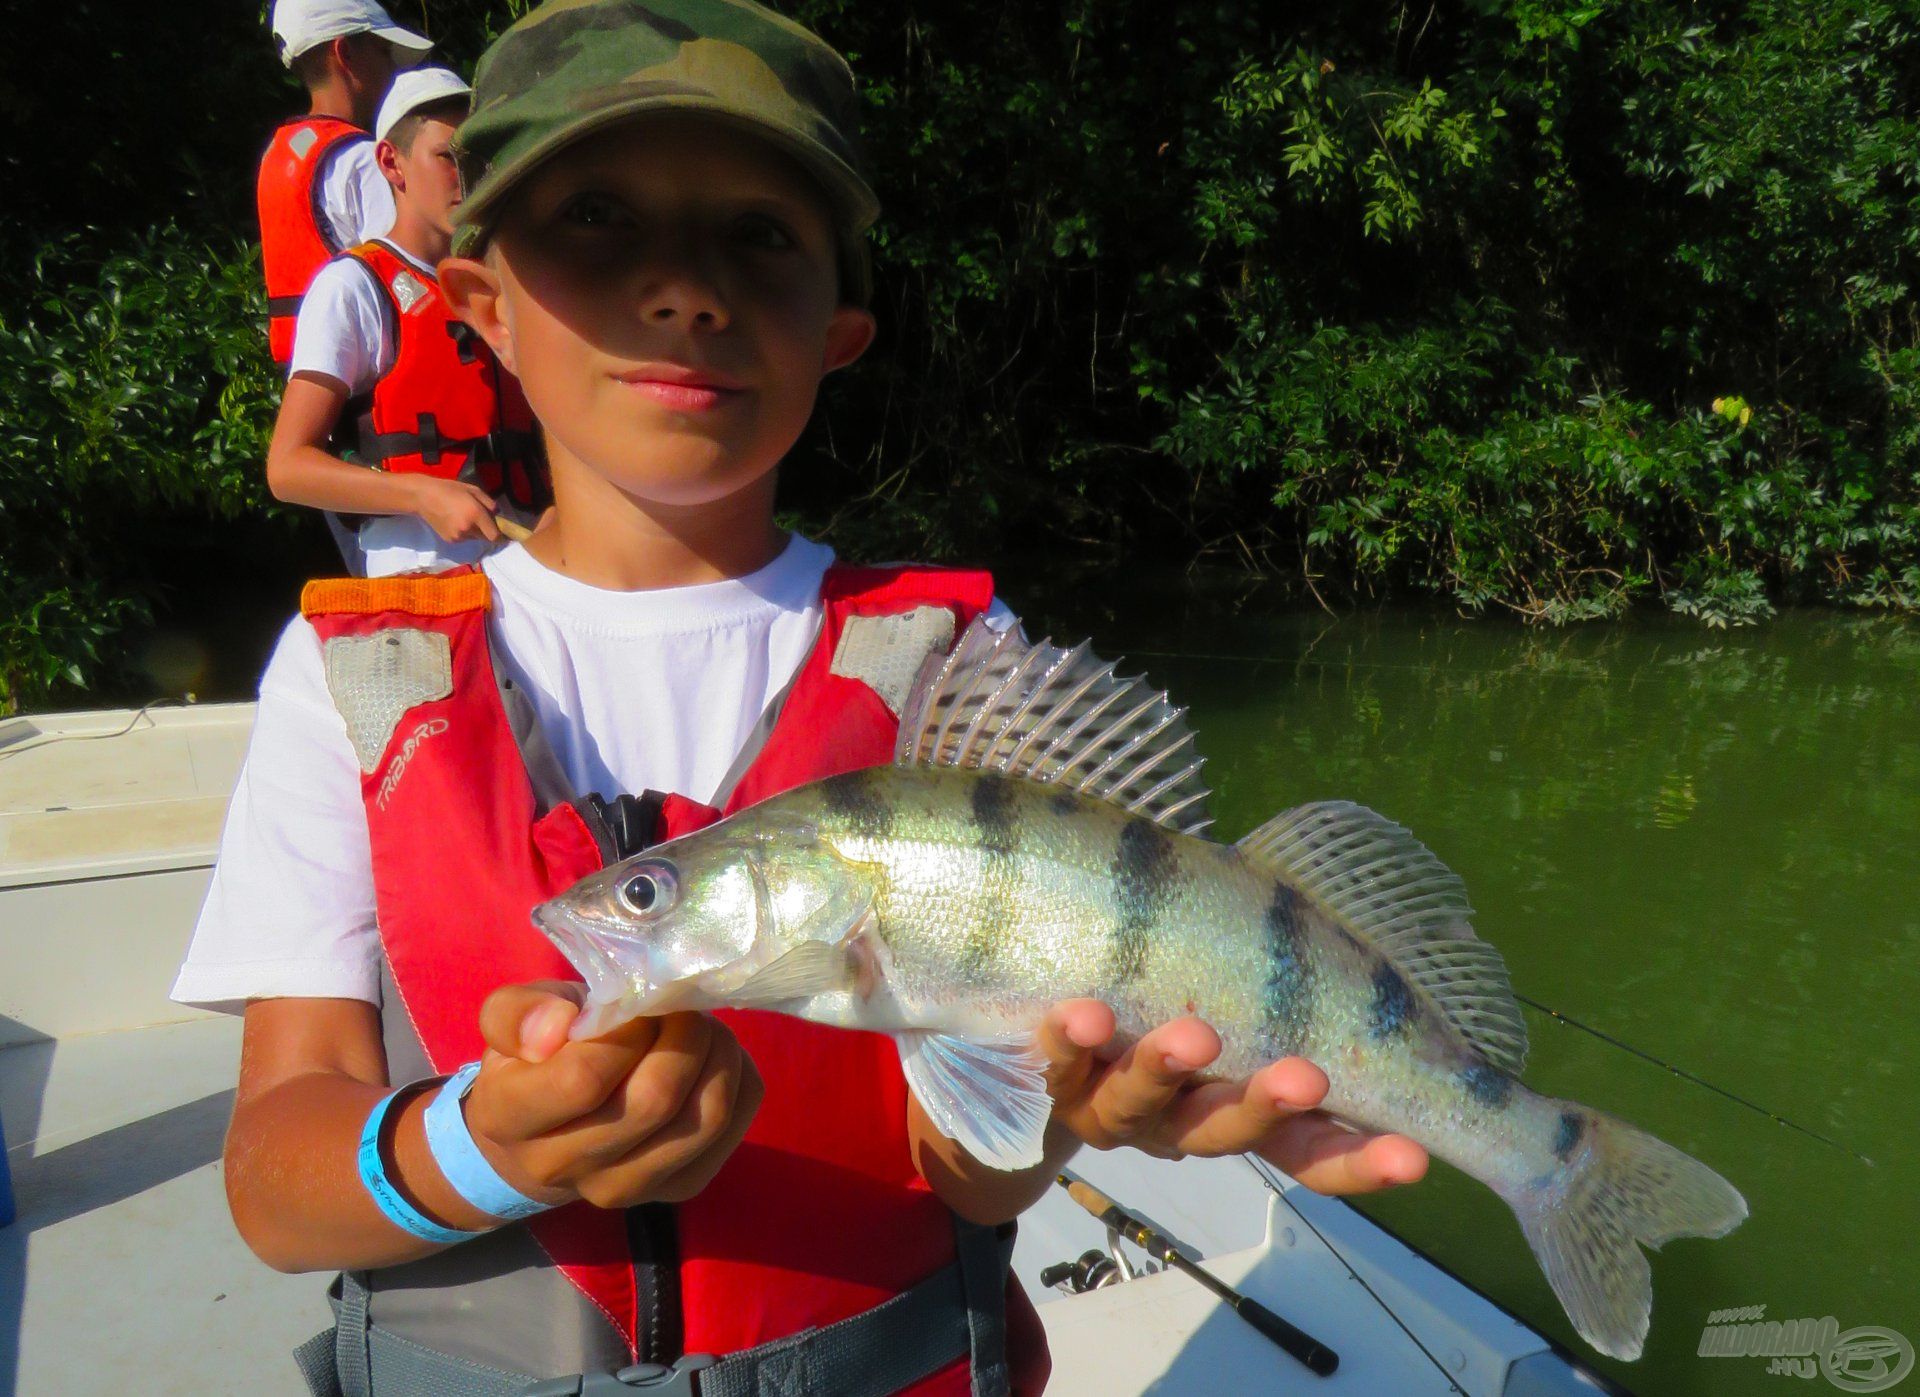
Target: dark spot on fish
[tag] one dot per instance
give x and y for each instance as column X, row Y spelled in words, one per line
column 991, row 801
column 1287, row 996
column 1393, row 1004
column 1489, row 1086
column 1063, row 802
column 856, row 798
column 1143, row 869
column 1568, row 1135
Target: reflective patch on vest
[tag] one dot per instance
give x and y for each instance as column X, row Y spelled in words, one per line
column 302, row 142
column 375, row 679
column 885, row 652
column 408, row 290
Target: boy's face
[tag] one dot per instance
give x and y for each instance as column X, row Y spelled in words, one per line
column 425, row 174
column 667, row 293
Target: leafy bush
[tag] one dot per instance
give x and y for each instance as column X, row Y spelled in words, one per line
column 1382, row 302
column 133, row 388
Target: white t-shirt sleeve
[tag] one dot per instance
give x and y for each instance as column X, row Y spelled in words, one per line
column 343, row 330
column 290, row 911
column 355, row 196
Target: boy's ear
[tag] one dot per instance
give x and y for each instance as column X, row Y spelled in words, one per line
column 848, row 334
column 472, row 290
column 387, row 156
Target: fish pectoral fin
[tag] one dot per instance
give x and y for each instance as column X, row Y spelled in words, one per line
column 812, row 967
column 987, row 1094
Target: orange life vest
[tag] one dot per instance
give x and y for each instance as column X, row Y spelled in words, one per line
column 446, row 407
column 295, row 238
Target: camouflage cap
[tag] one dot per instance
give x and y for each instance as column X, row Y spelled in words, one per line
column 573, row 67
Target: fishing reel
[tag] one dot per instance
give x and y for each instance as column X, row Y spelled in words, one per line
column 1093, row 1270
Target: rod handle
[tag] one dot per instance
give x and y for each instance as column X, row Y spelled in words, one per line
column 1088, row 1197
column 1318, row 1358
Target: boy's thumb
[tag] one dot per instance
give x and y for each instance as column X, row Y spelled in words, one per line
column 530, row 1022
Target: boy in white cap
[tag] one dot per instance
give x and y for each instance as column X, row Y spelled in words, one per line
column 380, row 368
column 319, row 190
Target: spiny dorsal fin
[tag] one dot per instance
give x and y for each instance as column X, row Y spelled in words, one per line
column 1057, row 716
column 1387, row 886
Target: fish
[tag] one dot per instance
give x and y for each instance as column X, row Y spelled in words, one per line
column 1041, row 836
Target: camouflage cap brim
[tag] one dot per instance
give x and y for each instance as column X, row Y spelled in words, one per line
column 573, row 68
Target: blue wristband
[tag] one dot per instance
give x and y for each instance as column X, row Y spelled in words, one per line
column 373, row 1174
column 472, row 1177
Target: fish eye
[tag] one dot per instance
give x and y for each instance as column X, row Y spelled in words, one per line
column 648, row 890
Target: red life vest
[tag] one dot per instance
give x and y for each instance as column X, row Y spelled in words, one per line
column 784, row 1238
column 446, row 406
column 295, row 238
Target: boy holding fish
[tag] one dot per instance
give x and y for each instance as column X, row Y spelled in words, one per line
column 662, row 236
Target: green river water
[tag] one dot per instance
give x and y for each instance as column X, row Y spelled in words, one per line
column 1700, row 842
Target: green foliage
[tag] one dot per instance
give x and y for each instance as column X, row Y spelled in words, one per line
column 1446, row 302
column 133, row 388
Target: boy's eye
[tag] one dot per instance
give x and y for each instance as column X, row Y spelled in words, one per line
column 759, row 230
column 594, row 211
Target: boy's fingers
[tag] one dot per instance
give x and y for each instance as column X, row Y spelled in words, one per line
column 688, row 1046
column 723, row 1129
column 1328, row 1158
column 1130, row 1099
column 1232, row 1118
column 1067, row 1038
column 675, row 1161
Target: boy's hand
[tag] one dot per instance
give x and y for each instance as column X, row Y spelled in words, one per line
column 646, row 1114
column 455, row 509
column 1146, row 1098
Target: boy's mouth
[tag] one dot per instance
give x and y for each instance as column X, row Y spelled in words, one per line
column 682, row 389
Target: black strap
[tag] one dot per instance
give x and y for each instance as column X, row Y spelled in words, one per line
column 427, row 443
column 278, row 306
column 630, row 823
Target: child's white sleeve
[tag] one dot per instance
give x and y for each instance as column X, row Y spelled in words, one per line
column 342, row 330
column 290, row 911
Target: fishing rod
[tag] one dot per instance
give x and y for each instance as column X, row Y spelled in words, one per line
column 1774, row 1116
column 1302, row 1346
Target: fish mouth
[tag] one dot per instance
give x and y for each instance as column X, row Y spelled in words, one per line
column 588, row 951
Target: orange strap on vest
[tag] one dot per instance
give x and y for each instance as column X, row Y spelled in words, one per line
column 295, row 237
column 445, row 407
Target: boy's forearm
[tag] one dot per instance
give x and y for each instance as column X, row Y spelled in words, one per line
column 307, row 475
column 972, row 1189
column 294, row 1186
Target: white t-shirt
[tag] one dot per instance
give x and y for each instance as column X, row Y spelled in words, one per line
column 654, row 690
column 355, row 196
column 345, row 332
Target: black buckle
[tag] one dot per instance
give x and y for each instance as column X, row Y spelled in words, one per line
column 681, row 1380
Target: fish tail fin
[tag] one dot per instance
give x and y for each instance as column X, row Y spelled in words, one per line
column 1614, row 1189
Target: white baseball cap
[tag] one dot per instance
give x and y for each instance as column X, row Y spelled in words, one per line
column 420, row 87
column 299, row 25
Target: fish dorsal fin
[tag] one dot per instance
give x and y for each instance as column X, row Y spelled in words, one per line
column 1387, row 887
column 1062, row 717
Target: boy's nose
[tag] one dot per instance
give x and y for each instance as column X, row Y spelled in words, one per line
column 683, row 294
